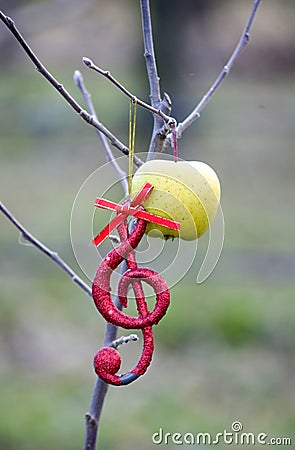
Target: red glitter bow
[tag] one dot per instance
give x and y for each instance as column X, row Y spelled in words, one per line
column 133, row 209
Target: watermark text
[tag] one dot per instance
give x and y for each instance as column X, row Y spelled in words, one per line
column 234, row 437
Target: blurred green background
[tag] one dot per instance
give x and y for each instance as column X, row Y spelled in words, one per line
column 225, row 350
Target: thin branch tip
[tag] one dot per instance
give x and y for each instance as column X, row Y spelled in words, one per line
column 243, row 41
column 62, row 91
column 167, row 98
column 87, row 61
column 115, row 239
column 107, row 74
column 109, row 154
column 32, row 240
column 124, row 340
column 77, row 77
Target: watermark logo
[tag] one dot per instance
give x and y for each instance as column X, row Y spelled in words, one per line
column 236, row 436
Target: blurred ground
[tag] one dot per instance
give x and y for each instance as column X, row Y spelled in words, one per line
column 225, row 351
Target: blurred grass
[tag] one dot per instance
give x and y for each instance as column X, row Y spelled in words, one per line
column 225, row 350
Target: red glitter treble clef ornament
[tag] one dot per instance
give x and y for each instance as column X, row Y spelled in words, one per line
column 107, row 360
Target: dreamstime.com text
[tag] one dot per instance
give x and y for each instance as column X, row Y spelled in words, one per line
column 234, row 437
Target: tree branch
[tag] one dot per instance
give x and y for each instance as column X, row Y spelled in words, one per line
column 195, row 114
column 100, row 389
column 149, row 54
column 91, row 120
column 51, row 254
column 89, row 63
column 124, row 340
column 109, row 154
column 160, row 129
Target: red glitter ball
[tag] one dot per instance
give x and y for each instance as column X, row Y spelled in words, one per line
column 107, row 362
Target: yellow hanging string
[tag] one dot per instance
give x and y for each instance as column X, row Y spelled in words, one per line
column 132, row 131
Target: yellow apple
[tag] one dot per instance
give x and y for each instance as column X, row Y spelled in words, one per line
column 185, row 191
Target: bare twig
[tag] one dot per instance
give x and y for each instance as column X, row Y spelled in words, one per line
column 89, row 63
column 40, row 246
column 91, row 120
column 124, row 340
column 115, row 239
column 160, row 129
column 109, row 154
column 149, row 54
column 195, row 114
